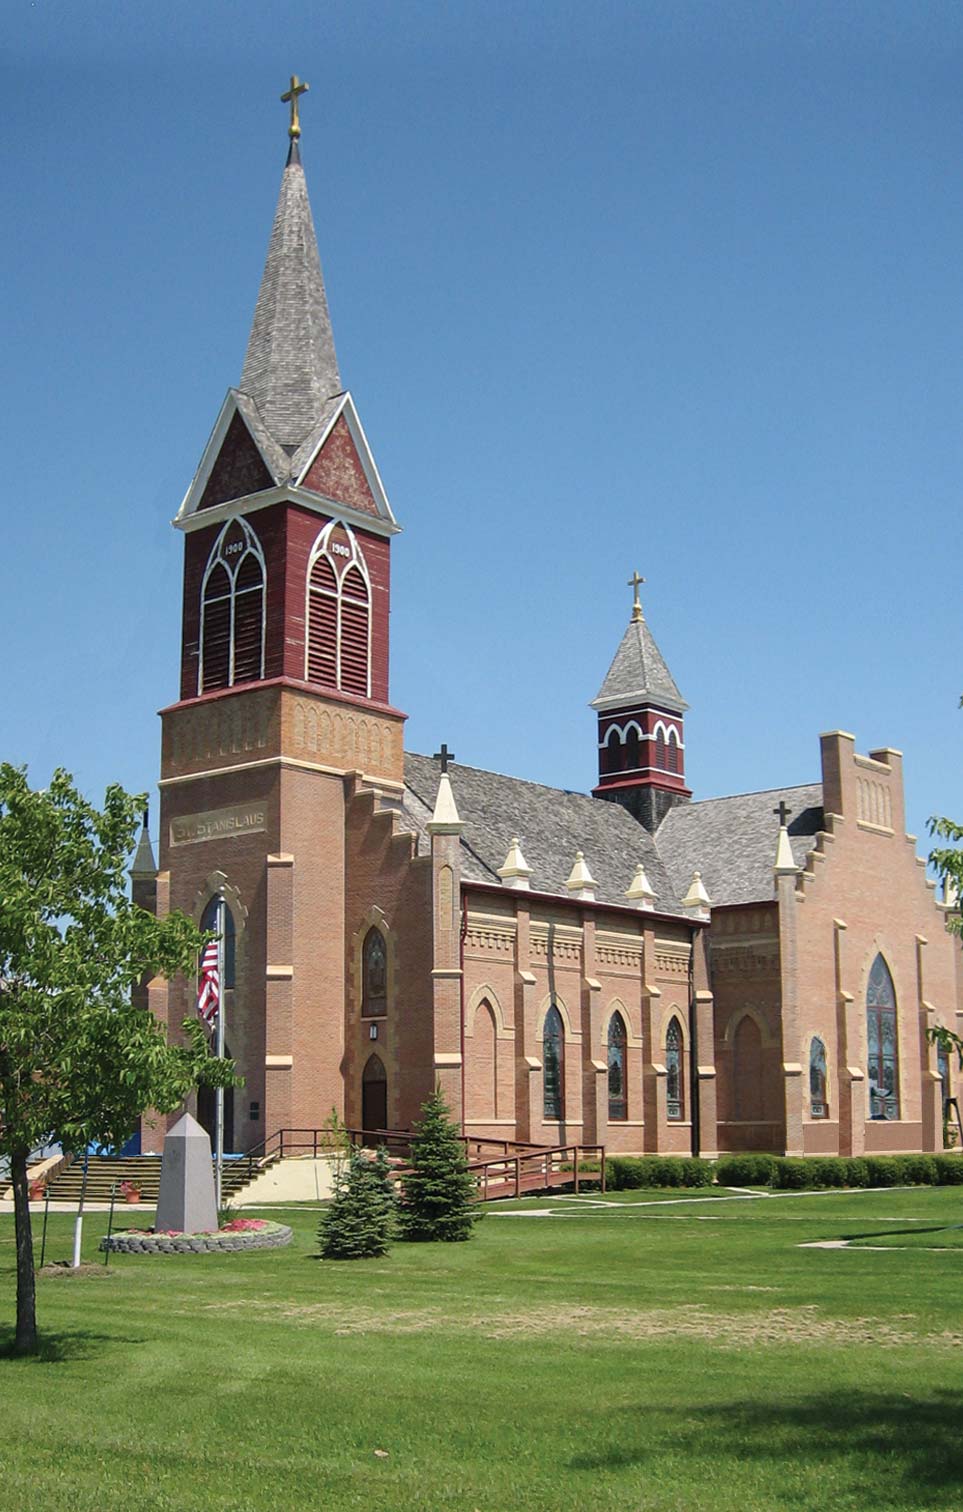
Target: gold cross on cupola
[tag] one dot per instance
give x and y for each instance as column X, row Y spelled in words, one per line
column 291, row 97
column 633, row 583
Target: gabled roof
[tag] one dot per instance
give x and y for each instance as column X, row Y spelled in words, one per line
column 291, row 368
column 551, row 824
column 732, row 841
column 638, row 673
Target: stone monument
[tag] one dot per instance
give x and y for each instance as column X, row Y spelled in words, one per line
column 186, row 1199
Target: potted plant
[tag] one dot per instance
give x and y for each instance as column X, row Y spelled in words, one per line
column 130, row 1191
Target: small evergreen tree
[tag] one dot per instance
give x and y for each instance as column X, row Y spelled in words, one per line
column 360, row 1220
column 437, row 1195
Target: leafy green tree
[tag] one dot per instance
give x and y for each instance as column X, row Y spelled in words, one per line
column 948, row 861
column 79, row 1061
column 360, row 1220
column 438, row 1191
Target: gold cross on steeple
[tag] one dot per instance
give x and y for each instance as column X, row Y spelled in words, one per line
column 633, row 583
column 297, row 88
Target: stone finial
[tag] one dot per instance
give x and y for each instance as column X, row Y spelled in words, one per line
column 638, row 891
column 581, row 883
column 445, row 820
column 784, row 865
column 515, row 870
column 697, row 898
column 144, row 863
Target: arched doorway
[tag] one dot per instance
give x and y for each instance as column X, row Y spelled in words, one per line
column 374, row 1098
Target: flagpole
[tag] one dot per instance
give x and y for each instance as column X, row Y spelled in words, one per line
column 219, row 1091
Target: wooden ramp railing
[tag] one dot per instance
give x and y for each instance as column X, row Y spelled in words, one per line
column 538, row 1169
column 503, row 1167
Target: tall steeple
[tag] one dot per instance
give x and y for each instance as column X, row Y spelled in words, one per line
column 291, row 368
column 640, row 723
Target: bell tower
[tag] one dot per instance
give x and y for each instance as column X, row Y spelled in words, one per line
column 641, row 739
column 283, row 686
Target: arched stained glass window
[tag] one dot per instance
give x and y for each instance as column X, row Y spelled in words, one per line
column 675, row 1066
column 553, row 1065
column 618, row 1091
column 817, row 1079
column 232, row 610
column 209, row 925
column 338, row 651
column 374, row 971
column 881, row 1043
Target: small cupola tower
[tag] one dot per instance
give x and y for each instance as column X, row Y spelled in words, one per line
column 641, row 739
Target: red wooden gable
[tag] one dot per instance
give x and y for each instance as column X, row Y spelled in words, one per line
column 239, row 468
column 337, row 472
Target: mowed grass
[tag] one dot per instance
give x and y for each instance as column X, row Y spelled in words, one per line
column 643, row 1354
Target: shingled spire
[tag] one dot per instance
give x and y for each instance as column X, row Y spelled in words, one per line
column 641, row 740
column 291, row 368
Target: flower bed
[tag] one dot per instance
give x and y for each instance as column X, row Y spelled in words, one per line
column 239, row 1234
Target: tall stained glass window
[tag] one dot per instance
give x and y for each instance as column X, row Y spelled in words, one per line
column 374, row 972
column 675, row 1084
column 618, row 1101
column 882, row 1050
column 817, row 1079
column 553, row 1065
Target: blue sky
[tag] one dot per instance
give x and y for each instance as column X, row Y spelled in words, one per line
column 665, row 286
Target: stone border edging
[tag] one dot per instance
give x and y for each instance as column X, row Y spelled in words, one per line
column 275, row 1237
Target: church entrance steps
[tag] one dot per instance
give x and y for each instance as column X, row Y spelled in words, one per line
column 107, row 1173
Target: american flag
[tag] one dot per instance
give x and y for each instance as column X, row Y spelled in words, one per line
column 209, row 990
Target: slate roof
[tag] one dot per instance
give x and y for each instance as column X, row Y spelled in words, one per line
column 638, row 673
column 291, row 367
column 551, row 823
column 732, row 841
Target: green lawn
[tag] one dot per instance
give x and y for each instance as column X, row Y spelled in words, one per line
column 641, row 1354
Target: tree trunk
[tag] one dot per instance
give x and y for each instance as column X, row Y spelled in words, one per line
column 26, row 1339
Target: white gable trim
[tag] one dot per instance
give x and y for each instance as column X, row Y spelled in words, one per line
column 369, row 467
column 285, row 494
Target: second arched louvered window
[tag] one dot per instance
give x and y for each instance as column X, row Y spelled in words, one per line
column 338, row 652
column 232, row 610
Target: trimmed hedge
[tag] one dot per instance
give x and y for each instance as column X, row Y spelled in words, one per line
column 784, row 1173
column 746, row 1170
column 818, row 1172
column 626, row 1173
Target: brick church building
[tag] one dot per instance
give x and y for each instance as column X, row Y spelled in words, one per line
column 627, row 967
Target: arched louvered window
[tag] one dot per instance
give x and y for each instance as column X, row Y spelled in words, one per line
column 374, row 974
column 675, row 1067
column 631, row 749
column 338, row 613
column 209, row 925
column 817, row 1079
column 613, row 752
column 232, row 610
column 881, row 1043
column 660, row 752
column 672, row 752
column 618, row 1092
column 553, row 1065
